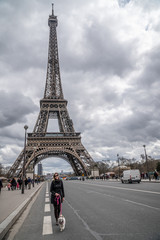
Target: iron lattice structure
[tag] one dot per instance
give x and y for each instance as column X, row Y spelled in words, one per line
column 66, row 143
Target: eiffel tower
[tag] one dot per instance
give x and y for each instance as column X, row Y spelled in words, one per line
column 66, row 143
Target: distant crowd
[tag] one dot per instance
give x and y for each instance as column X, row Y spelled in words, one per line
column 14, row 184
column 155, row 175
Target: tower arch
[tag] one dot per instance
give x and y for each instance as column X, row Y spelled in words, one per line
column 68, row 155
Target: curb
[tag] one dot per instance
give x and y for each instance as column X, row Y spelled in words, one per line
column 152, row 181
column 12, row 218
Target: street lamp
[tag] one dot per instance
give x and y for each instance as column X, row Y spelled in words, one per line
column 34, row 167
column 24, row 160
column 146, row 157
column 118, row 165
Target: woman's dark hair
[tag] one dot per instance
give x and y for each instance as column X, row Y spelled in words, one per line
column 55, row 174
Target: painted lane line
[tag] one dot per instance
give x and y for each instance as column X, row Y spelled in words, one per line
column 47, row 208
column 47, row 225
column 141, row 204
column 93, row 233
column 126, row 200
column 47, row 199
column 127, row 189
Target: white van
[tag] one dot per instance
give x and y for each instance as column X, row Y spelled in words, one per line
column 130, row 176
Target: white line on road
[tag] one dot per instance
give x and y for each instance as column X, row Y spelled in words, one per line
column 94, row 234
column 46, row 186
column 47, row 199
column 126, row 200
column 141, row 204
column 127, row 189
column 47, row 208
column 47, row 225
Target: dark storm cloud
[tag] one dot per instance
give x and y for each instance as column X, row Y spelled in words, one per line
column 151, row 72
column 14, row 107
column 109, row 66
column 103, row 52
column 10, row 135
column 18, row 40
column 138, row 127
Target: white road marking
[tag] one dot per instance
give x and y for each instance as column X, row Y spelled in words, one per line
column 94, row 234
column 47, row 199
column 47, row 225
column 141, row 204
column 127, row 189
column 47, row 220
column 47, row 208
column 126, row 200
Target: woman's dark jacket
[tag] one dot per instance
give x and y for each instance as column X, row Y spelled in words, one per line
column 56, row 187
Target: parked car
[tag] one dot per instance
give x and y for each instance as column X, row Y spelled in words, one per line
column 130, row 176
column 72, row 178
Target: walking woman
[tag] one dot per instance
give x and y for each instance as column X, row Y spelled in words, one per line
column 57, row 195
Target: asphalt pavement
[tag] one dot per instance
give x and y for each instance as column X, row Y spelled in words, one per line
column 100, row 210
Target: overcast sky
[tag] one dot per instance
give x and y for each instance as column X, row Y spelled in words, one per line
column 109, row 53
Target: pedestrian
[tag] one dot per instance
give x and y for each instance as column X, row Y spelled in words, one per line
column 1, row 185
column 29, row 183
column 9, row 186
column 26, row 183
column 13, row 184
column 57, row 195
column 32, row 181
column 20, row 183
column 156, row 174
column 17, row 185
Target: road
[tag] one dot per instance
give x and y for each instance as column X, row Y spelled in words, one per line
column 101, row 210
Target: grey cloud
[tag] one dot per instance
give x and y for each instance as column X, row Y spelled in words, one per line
column 151, row 71
column 147, row 5
column 14, row 107
column 19, row 40
column 122, row 3
column 88, row 65
column 103, row 52
column 10, row 133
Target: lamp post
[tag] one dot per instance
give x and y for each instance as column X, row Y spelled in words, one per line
column 34, row 167
column 118, row 165
column 146, row 158
column 24, row 160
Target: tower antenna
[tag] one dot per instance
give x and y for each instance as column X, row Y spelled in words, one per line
column 52, row 8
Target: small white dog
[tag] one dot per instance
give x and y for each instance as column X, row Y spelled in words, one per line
column 62, row 222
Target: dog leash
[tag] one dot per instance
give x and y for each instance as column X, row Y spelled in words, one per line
column 58, row 200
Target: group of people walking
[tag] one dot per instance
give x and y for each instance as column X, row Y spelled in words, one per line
column 14, row 184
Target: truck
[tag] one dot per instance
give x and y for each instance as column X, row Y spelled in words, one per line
column 130, row 176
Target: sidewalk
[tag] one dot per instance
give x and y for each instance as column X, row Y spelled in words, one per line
column 12, row 204
column 151, row 181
